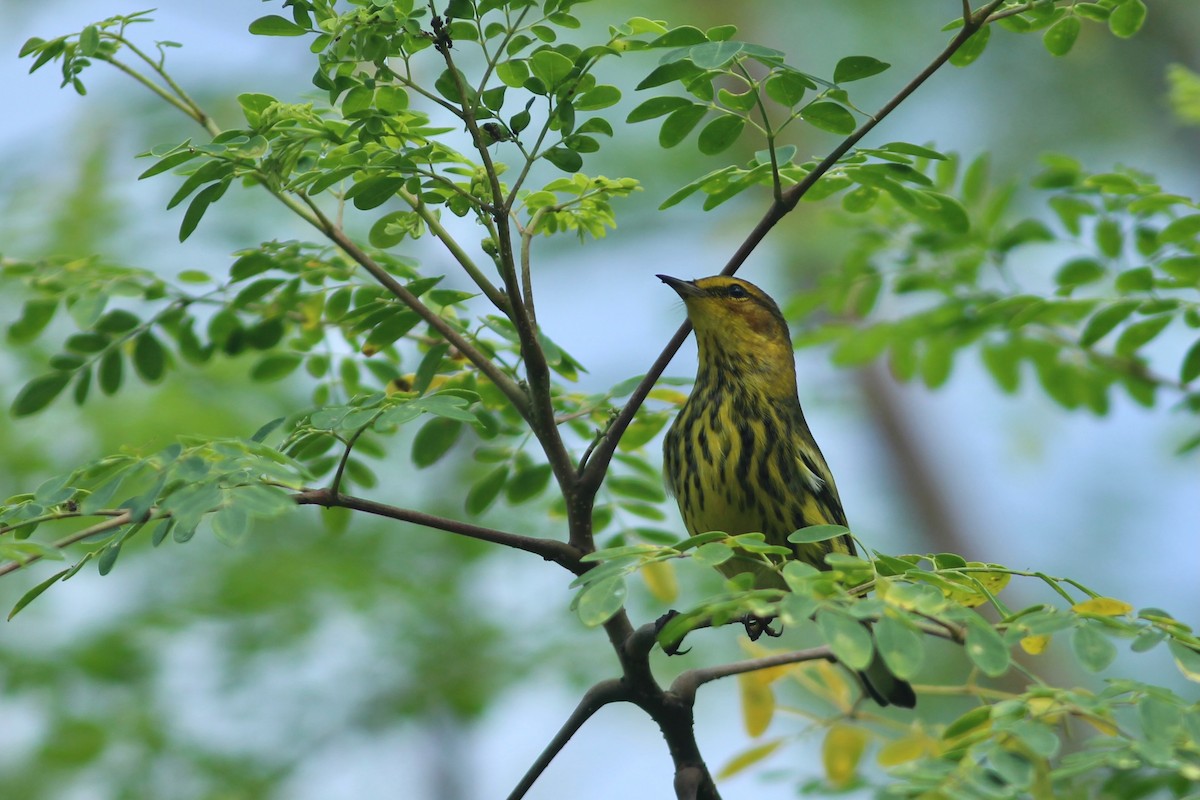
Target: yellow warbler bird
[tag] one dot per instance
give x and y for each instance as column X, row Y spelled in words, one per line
column 740, row 458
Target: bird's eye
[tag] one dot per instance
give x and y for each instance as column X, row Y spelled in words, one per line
column 737, row 292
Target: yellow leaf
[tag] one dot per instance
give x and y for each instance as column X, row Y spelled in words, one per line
column 908, row 748
column 748, row 757
column 758, row 703
column 1103, row 606
column 668, row 396
column 1035, row 645
column 1104, row 726
column 833, row 680
column 967, row 592
column 1046, row 708
column 660, row 580
column 771, row 674
column 841, row 752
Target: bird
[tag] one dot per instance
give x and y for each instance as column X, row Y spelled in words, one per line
column 740, row 457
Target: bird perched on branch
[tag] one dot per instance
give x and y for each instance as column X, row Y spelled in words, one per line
column 740, row 458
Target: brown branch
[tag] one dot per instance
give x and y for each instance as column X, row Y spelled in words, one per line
column 600, row 695
column 593, row 474
column 688, row 682
column 484, row 364
column 550, row 549
column 121, row 518
column 540, row 409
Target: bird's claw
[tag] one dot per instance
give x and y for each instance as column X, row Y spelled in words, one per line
column 757, row 626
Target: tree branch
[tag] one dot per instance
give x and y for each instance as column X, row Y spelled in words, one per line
column 688, row 682
column 550, row 549
column 482, row 362
column 593, row 474
column 537, row 371
column 121, row 518
column 600, row 695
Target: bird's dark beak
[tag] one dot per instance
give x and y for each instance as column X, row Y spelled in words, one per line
column 684, row 289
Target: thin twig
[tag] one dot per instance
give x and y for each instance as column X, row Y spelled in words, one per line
column 499, row 300
column 550, row 549
column 107, row 525
column 688, row 682
column 600, row 695
column 484, row 364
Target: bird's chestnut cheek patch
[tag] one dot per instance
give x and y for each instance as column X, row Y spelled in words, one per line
column 760, row 320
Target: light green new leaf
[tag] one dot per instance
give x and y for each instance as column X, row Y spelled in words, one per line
column 986, row 648
column 1094, row 650
column 847, row 637
column 275, row 25
column 598, row 601
column 901, row 647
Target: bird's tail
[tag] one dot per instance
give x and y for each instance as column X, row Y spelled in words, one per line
column 884, row 687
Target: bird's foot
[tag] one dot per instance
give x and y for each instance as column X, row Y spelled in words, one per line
column 758, row 626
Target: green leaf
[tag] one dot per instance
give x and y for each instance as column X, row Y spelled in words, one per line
column 637, row 488
column 901, row 647
column 275, row 25
column 714, row 55
column 149, row 358
column 33, row 593
column 817, row 533
column 986, row 648
column 1181, row 230
column 595, row 99
column 1079, row 271
column 1187, row 659
column 972, row 48
column 275, row 366
column 1003, row 364
column 434, row 440
column 39, row 393
column 679, row 123
column 1127, row 18
column 1190, row 369
column 1138, row 279
column 1108, row 237
column 598, row 601
column 1105, row 320
column 1140, row 333
column 550, row 67
column 828, row 116
column 231, row 524
column 657, row 107
column 200, row 203
column 720, row 134
column 855, row 68
column 485, row 491
column 111, row 366
column 35, row 315
column 786, row 87
column 527, row 483
column 1094, row 650
column 564, row 159
column 1061, row 36
column 108, row 558
column 849, row 639
column 375, row 191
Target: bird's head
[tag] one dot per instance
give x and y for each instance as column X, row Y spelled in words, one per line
column 736, row 322
column 733, row 311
